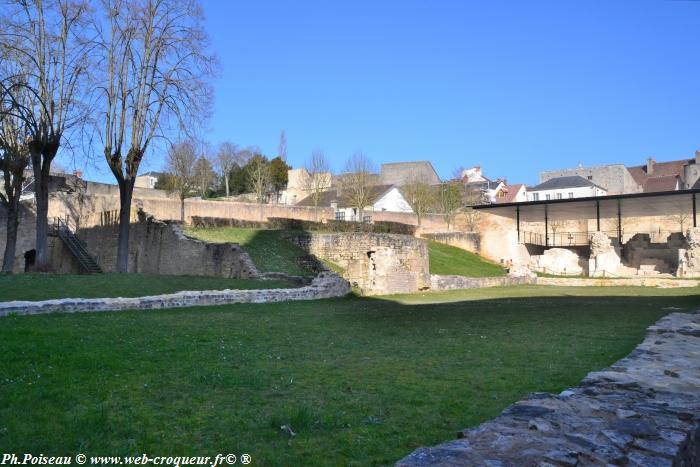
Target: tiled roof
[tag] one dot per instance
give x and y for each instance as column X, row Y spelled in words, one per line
column 662, row 170
column 665, row 183
column 573, row 181
column 510, row 192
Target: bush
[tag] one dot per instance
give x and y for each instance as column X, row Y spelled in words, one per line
column 342, row 226
column 205, row 222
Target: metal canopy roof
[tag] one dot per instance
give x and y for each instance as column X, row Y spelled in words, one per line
column 631, row 205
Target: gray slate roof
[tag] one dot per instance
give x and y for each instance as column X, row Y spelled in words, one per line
column 558, row 183
column 328, row 197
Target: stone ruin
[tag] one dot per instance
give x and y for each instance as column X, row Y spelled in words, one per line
column 605, row 258
column 678, row 256
column 376, row 263
column 643, row 411
column 559, row 261
column 689, row 257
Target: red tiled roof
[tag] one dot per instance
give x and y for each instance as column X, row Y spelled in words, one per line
column 662, row 170
column 511, row 191
column 665, row 183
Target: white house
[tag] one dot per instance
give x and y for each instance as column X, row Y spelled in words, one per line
column 564, row 188
column 381, row 198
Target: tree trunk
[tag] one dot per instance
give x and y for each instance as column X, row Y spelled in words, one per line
column 226, row 183
column 41, row 196
column 11, row 244
column 126, row 191
column 182, row 209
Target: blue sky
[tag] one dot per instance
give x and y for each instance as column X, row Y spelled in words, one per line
column 516, row 87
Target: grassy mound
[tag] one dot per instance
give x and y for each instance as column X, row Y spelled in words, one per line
column 449, row 260
column 267, row 248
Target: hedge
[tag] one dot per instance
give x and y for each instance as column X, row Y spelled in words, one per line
column 284, row 223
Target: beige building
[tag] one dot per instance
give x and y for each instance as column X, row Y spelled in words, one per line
column 300, row 184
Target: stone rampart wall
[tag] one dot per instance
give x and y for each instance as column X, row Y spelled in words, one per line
column 622, row 282
column 642, row 411
column 157, row 247
column 376, row 263
column 325, row 285
column 469, row 241
column 26, row 235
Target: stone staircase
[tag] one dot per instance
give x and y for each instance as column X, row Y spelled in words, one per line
column 87, row 263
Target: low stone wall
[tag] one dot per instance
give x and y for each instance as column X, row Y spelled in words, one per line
column 632, row 281
column 325, row 285
column 461, row 282
column 469, row 241
column 376, row 263
column 642, row 411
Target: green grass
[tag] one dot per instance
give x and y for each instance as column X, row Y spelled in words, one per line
column 48, row 286
column 360, row 381
column 267, row 248
column 449, row 260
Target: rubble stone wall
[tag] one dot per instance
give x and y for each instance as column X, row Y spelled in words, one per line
column 325, row 285
column 157, row 247
column 460, row 282
column 376, row 263
column 642, row 411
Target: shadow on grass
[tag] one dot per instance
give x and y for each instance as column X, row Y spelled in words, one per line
column 360, row 381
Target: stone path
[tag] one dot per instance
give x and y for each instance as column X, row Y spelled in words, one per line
column 642, row 411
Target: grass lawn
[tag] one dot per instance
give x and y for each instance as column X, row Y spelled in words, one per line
column 48, row 286
column 267, row 248
column 449, row 260
column 360, row 381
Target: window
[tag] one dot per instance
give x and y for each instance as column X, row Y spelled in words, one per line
column 571, row 194
column 535, row 196
column 340, row 215
column 590, row 177
column 558, row 195
column 548, row 197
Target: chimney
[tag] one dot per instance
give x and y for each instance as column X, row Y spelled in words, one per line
column 697, row 157
column 650, row 166
column 78, row 174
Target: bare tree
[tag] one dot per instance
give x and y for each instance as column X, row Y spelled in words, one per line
column 154, row 54
column 49, row 44
column 681, row 218
column 358, row 182
column 203, row 175
column 259, row 176
column 14, row 159
column 226, row 159
column 420, row 196
column 449, row 201
column 317, row 177
column 282, row 148
column 471, row 198
column 181, row 177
